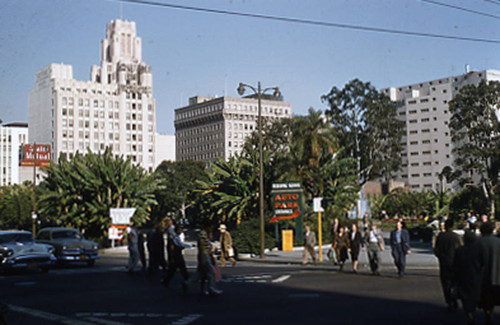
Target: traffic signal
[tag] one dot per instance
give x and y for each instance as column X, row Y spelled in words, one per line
column 326, row 202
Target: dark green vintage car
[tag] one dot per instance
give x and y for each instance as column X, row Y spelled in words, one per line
column 69, row 244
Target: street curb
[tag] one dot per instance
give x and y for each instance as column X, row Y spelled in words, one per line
column 321, row 264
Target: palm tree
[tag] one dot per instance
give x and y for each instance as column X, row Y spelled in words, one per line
column 80, row 192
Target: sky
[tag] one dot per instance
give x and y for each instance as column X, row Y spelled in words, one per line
column 198, row 53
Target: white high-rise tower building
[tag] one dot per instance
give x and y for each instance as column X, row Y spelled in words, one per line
column 115, row 109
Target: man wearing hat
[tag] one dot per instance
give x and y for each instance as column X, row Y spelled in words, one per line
column 226, row 246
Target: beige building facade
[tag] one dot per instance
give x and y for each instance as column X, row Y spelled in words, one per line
column 115, row 109
column 217, row 127
column 427, row 145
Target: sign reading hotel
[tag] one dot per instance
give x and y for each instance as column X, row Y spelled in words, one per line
column 43, row 155
column 286, row 200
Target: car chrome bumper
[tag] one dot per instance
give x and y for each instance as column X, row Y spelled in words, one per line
column 28, row 261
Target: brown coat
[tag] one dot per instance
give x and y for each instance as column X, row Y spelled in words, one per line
column 226, row 242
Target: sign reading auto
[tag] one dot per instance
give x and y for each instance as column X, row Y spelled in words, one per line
column 286, row 200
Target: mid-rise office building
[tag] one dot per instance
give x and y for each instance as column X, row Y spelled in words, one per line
column 115, row 109
column 427, row 145
column 217, row 127
column 164, row 148
column 12, row 137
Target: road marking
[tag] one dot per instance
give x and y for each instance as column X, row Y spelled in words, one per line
column 187, row 319
column 48, row 316
column 104, row 321
column 282, row 278
column 27, row 283
column 303, row 295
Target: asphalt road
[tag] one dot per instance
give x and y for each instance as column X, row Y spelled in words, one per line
column 253, row 294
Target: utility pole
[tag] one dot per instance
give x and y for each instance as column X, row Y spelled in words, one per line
column 34, row 215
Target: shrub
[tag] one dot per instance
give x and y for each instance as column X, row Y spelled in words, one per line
column 246, row 238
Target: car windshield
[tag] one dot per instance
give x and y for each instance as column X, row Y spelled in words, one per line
column 66, row 234
column 16, row 237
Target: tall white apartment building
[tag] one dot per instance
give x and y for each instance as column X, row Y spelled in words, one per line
column 12, row 137
column 114, row 109
column 427, row 145
column 217, row 127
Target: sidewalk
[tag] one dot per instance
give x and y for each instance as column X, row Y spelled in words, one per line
column 421, row 256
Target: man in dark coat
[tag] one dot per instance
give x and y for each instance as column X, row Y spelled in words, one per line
column 468, row 275
column 446, row 244
column 400, row 247
column 156, row 250
column 488, row 256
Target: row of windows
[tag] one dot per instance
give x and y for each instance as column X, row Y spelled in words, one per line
column 204, row 138
column 236, row 144
column 239, row 126
column 209, row 109
column 199, row 148
column 416, row 175
column 203, row 157
column 425, row 152
column 100, row 135
column 200, row 130
column 134, row 158
column 425, row 100
column 93, row 91
column 414, row 143
column 426, row 131
column 416, row 164
column 69, row 102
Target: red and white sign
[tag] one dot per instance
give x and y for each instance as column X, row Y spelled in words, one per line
column 43, row 155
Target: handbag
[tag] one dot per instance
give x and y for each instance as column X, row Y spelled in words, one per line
column 230, row 252
column 332, row 255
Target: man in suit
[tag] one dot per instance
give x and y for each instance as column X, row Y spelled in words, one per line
column 309, row 242
column 446, row 244
column 400, row 247
column 375, row 243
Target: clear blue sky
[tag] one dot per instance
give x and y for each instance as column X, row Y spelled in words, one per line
column 193, row 53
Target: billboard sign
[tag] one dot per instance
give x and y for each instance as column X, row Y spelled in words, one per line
column 42, row 157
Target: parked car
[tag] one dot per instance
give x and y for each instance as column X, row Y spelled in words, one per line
column 69, row 244
column 18, row 250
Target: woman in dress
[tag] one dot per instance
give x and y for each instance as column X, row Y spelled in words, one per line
column 355, row 240
column 342, row 246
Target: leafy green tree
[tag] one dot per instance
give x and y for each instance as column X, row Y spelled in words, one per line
column 475, row 131
column 367, row 128
column 232, row 186
column 402, row 203
column 471, row 198
column 178, row 180
column 16, row 206
column 81, row 191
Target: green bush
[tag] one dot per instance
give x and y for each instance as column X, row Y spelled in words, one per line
column 246, row 238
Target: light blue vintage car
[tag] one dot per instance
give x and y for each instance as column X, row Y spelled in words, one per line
column 18, row 250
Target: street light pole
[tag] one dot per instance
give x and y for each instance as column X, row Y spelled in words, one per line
column 261, row 172
column 259, row 92
column 34, row 215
